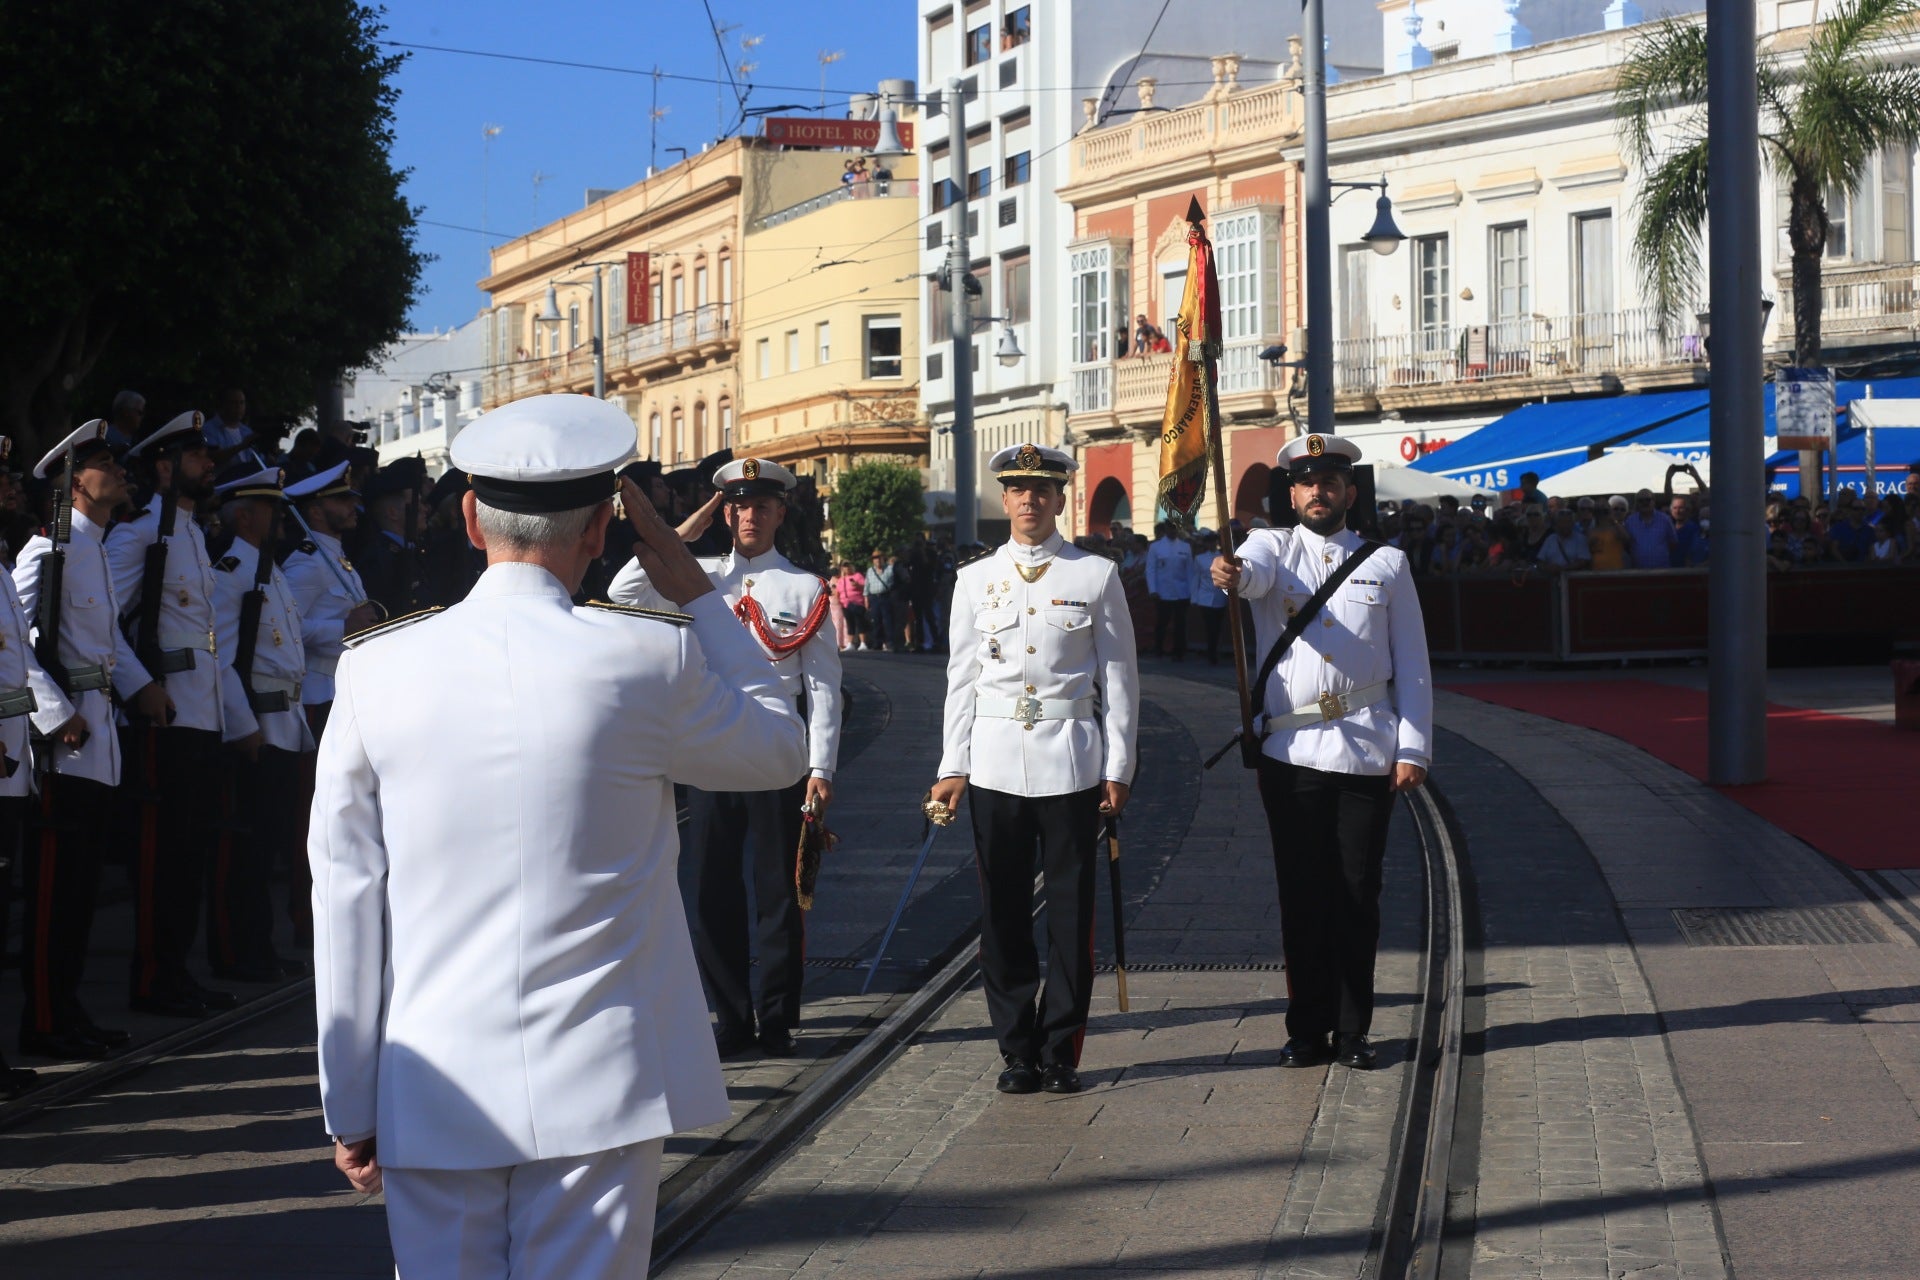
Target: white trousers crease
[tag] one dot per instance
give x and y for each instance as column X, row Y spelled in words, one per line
column 573, row 1218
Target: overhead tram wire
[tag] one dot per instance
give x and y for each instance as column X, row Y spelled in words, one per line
column 1112, row 92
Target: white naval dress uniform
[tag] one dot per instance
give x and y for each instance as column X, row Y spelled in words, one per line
column 77, row 803
column 268, row 791
column 176, row 764
column 1042, row 698
column 20, row 670
column 1326, row 782
column 765, row 824
column 505, row 989
column 315, row 577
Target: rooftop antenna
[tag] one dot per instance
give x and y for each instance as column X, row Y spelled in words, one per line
column 724, row 72
column 539, row 179
column 653, row 123
column 488, row 132
column 827, row 59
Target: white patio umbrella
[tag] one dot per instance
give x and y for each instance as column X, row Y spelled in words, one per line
column 1404, row 484
column 1624, row 470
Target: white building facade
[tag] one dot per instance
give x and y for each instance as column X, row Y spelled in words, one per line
column 419, row 392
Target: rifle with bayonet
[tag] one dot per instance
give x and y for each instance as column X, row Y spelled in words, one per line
column 53, row 581
column 153, row 586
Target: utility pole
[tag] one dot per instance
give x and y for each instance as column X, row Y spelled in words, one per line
column 966, row 495
column 599, row 338
column 1319, row 247
column 1737, row 569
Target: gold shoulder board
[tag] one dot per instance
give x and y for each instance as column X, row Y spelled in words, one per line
column 635, row 611
column 391, row 625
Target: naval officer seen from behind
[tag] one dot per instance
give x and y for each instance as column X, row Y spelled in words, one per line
column 1042, row 690
column 510, row 1019
column 1345, row 720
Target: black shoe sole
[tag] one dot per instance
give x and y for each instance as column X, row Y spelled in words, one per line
column 1018, row 1085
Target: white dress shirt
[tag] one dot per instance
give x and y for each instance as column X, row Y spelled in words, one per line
column 202, row 693
column 786, row 595
column 325, row 601
column 502, row 968
column 1066, row 636
column 89, row 636
column 279, row 655
column 1369, row 633
column 1169, row 567
column 19, row 669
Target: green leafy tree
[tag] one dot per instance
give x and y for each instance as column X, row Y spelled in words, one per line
column 876, row 504
column 1820, row 125
column 203, row 194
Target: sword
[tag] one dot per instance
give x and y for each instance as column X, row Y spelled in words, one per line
column 1111, row 834
column 900, row 908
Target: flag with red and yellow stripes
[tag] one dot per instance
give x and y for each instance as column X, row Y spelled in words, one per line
column 1187, row 427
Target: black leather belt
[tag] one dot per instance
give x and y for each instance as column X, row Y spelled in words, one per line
column 17, row 702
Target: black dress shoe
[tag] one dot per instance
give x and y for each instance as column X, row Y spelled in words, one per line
column 732, row 1041
column 1304, row 1051
column 168, row 1004
column 1058, row 1077
column 70, row 1045
column 15, row 1081
column 111, row 1037
column 1354, row 1051
column 776, row 1042
column 1019, row 1077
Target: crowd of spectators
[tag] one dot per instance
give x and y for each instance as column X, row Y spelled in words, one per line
column 898, row 603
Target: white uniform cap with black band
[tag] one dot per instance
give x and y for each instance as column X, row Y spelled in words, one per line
column 1316, row 454
column 1032, row 461
column 182, row 431
column 753, row 478
column 546, row 453
column 251, row 484
column 331, row 483
column 84, row 443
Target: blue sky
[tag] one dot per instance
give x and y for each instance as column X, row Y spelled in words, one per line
column 582, row 128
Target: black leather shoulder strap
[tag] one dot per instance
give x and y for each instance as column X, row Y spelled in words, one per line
column 1301, row 620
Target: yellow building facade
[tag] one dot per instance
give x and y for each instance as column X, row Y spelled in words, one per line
column 776, row 319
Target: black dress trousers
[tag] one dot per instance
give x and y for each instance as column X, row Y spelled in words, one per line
column 1329, row 841
column 72, row 825
column 1010, row 835
column 261, row 806
column 733, row 835
column 178, row 776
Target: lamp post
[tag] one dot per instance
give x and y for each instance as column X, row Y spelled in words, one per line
column 1737, row 569
column 959, row 278
column 550, row 315
column 1384, row 236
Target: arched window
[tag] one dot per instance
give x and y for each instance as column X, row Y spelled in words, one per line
column 726, row 424
column 726, row 285
column 653, row 435
column 700, row 429
column 679, row 292
column 679, row 435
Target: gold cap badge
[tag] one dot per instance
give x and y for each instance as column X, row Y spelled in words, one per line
column 750, row 469
column 1315, row 446
column 1028, row 457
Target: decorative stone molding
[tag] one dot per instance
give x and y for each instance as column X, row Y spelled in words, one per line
column 1593, row 171
column 1506, row 186
column 1147, row 87
column 1432, row 195
column 1090, row 110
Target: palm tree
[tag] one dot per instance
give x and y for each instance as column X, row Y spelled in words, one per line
column 1820, row 125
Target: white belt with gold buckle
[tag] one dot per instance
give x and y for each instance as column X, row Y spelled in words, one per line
column 1330, row 707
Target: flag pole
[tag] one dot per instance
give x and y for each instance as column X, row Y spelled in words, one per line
column 1216, row 448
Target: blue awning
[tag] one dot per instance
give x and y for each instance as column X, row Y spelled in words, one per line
column 1550, row 438
column 1894, row 447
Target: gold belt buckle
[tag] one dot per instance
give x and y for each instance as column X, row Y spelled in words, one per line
column 1332, row 707
column 1026, row 710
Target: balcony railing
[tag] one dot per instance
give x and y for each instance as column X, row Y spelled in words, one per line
column 1135, row 387
column 1267, row 114
column 892, row 189
column 1532, row 347
column 1859, row 300
column 641, row 344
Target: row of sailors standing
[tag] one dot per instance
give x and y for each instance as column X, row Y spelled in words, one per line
column 177, row 708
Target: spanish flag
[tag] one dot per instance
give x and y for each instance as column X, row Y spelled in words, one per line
column 1187, row 427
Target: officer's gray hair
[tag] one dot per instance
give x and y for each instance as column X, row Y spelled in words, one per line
column 521, row 531
column 127, row 400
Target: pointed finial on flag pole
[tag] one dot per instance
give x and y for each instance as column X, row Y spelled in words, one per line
column 1194, row 212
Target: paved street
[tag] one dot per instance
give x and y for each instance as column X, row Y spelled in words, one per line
column 1634, row 1101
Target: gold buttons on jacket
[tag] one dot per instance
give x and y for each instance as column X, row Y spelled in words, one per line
column 1029, row 608
column 1326, row 657
column 1030, row 649
column 1326, row 622
column 1031, row 689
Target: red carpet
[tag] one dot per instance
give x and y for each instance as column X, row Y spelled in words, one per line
column 1844, row 785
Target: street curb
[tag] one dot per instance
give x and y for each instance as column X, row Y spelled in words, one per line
column 139, row 1057
column 682, row 1219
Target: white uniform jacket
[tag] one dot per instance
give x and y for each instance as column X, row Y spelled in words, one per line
column 1370, row 633
column 324, row 604
column 279, row 661
column 202, row 693
column 787, row 596
column 1169, row 569
column 89, row 636
column 1066, row 638
column 19, row 669
column 501, row 960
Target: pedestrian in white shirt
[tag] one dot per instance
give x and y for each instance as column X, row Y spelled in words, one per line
column 1169, row 581
column 510, row 1019
column 1042, row 691
column 1346, row 721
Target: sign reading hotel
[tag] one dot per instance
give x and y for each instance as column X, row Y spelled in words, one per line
column 639, row 290
column 809, row 131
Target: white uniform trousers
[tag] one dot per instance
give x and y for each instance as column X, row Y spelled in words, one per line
column 572, row 1218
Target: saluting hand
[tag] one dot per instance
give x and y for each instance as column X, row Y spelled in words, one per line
column 696, row 524
column 671, row 568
